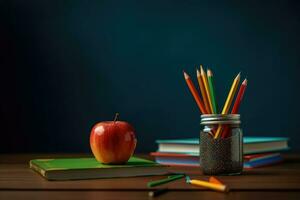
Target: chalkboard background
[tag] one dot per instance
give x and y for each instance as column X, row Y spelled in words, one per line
column 69, row 64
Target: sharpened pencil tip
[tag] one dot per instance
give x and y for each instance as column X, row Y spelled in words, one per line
column 186, row 76
column 238, row 76
column 202, row 70
column 198, row 73
column 245, row 82
column 209, row 72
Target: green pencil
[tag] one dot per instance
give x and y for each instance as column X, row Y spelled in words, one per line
column 163, row 181
column 212, row 91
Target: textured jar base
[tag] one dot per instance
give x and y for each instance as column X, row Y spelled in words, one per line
column 221, row 156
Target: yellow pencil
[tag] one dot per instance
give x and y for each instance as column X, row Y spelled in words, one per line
column 214, row 186
column 229, row 99
column 204, row 79
column 203, row 92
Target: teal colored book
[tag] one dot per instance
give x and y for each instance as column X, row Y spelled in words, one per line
column 90, row 168
column 251, row 145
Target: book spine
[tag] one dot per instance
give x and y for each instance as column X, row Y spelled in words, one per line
column 37, row 169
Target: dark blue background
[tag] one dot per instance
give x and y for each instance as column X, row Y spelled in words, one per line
column 69, row 64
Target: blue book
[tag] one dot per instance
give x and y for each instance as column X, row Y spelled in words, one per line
column 267, row 160
column 252, row 145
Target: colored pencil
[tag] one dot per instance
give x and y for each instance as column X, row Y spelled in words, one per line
column 166, row 180
column 225, row 131
column 214, row 186
column 212, row 91
column 228, row 101
column 203, row 92
column 157, row 192
column 194, row 93
column 204, row 79
column 236, row 105
column 213, row 179
column 231, row 94
column 239, row 97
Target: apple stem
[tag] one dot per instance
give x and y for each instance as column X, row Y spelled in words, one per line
column 116, row 117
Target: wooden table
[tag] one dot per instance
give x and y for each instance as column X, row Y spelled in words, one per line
column 17, row 181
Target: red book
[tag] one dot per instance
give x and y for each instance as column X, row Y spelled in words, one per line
column 192, row 160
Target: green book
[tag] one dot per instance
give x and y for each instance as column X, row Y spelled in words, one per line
column 90, row 168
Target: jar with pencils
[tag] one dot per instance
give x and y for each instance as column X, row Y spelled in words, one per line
column 221, row 140
column 221, row 144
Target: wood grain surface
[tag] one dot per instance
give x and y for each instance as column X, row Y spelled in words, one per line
column 18, row 181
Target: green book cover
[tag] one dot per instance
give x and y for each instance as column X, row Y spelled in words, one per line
column 89, row 168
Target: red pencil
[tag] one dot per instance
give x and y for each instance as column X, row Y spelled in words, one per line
column 236, row 105
column 194, row 93
column 239, row 98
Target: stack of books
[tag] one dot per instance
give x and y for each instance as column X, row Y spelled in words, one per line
column 258, row 151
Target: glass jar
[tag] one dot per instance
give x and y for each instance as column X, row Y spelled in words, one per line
column 222, row 155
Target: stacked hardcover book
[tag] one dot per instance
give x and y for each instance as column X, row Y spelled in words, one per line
column 258, row 151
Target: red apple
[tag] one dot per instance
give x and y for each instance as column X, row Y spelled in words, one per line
column 112, row 142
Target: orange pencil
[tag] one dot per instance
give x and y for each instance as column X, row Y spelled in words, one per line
column 205, row 82
column 203, row 92
column 213, row 179
column 194, row 93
